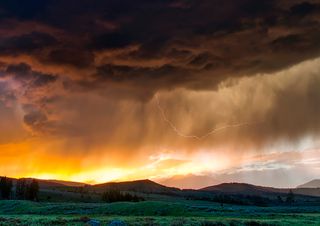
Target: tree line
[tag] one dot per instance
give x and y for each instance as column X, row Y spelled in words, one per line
column 115, row 195
column 240, row 199
column 24, row 189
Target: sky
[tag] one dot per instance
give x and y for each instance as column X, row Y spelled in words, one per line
column 186, row 93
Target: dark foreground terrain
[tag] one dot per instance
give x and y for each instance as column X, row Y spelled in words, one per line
column 226, row 204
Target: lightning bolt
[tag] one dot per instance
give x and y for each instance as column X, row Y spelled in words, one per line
column 212, row 131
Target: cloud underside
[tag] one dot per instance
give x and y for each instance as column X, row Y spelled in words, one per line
column 124, row 77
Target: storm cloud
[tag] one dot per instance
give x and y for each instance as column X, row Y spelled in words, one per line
column 123, row 77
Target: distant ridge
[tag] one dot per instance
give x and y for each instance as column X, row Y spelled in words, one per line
column 311, row 184
column 148, row 186
column 249, row 189
column 67, row 183
column 241, row 188
column 47, row 183
column 136, row 185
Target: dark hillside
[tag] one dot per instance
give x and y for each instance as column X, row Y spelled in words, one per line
column 145, row 186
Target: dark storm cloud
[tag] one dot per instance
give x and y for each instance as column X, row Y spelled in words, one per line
column 135, row 75
column 35, row 118
column 31, row 89
column 25, row 43
column 303, row 9
column 69, row 56
column 6, row 95
column 110, row 41
column 23, row 73
column 128, row 49
column 219, row 39
column 38, row 122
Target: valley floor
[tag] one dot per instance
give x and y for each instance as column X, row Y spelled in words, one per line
column 151, row 213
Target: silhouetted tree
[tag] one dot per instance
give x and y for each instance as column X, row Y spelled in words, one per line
column 116, row 196
column 290, row 197
column 111, row 196
column 33, row 189
column 21, row 189
column 5, row 187
column 279, row 199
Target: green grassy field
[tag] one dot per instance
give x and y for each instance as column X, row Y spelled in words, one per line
column 153, row 213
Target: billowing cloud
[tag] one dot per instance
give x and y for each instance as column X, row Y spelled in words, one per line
column 162, row 45
column 118, row 78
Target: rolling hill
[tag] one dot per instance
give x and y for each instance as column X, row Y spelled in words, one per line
column 146, row 186
column 249, row 189
column 311, row 184
column 45, row 184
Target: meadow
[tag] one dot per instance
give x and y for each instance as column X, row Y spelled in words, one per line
column 173, row 213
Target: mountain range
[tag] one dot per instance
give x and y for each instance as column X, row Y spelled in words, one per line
column 147, row 186
column 230, row 193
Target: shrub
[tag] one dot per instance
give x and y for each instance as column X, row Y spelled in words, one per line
column 117, row 196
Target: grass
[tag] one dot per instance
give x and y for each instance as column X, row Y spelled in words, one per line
column 197, row 213
column 34, row 220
